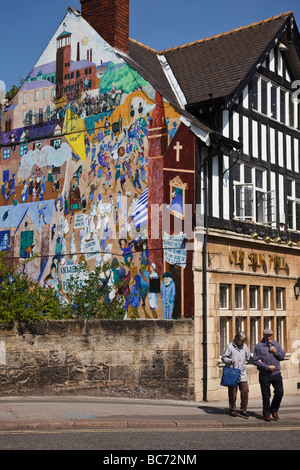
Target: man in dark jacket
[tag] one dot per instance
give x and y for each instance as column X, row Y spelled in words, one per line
column 267, row 356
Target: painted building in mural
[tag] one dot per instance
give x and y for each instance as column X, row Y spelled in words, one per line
column 75, row 170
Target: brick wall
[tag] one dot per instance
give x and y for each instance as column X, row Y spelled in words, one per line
column 110, row 19
column 142, row 358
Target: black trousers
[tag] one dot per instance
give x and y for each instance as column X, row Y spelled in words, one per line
column 265, row 384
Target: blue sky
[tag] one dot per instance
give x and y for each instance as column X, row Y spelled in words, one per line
column 26, row 26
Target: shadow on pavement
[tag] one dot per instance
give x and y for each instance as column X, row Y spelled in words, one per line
column 211, row 410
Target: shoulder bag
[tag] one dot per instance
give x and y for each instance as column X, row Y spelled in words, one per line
column 230, row 377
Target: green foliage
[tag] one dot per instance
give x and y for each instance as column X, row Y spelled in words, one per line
column 91, row 295
column 95, row 296
column 10, row 94
column 13, row 91
column 22, row 299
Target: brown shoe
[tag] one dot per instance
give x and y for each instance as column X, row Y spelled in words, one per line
column 267, row 418
column 275, row 415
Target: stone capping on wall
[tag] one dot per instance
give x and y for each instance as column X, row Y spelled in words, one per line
column 132, row 358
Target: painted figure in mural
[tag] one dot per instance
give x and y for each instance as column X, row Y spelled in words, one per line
column 168, row 292
column 177, row 201
column 136, row 181
column 126, row 249
column 144, row 275
column 52, row 281
column 42, row 215
column 145, row 254
column 135, row 297
column 173, row 131
column 56, row 184
column 123, row 285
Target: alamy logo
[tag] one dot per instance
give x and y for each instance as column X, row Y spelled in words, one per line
column 296, row 94
column 296, row 354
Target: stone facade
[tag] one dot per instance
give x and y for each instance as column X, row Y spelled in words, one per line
column 250, row 287
column 143, row 358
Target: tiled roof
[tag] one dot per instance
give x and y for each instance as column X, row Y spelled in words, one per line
column 144, row 60
column 45, row 69
column 35, row 85
column 80, row 64
column 64, row 34
column 217, row 65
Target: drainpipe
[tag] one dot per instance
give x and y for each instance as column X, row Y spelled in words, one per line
column 204, row 283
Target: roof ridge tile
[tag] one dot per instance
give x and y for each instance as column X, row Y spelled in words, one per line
column 227, row 33
column 143, row 45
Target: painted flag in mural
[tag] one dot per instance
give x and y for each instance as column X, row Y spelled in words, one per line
column 175, row 249
column 74, row 130
column 140, row 213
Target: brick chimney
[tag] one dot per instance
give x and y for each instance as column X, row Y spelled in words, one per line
column 110, row 18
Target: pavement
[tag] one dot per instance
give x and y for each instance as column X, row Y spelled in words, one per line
column 84, row 412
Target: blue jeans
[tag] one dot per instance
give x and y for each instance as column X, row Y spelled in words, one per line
column 265, row 384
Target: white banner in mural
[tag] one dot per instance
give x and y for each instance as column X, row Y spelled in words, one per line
column 175, row 249
column 91, row 249
column 71, row 272
column 80, row 221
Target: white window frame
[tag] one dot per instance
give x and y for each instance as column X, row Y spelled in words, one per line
column 267, row 322
column 250, row 211
column 224, row 333
column 280, row 330
column 255, row 288
column 268, row 290
column 288, row 101
column 240, row 323
column 292, row 199
column 226, row 286
column 236, row 288
column 280, row 290
column 243, row 210
column 253, row 332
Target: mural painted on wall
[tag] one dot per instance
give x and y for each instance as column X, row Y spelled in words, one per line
column 75, row 170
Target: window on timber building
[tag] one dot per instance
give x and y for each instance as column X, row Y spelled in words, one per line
column 293, row 204
column 251, row 199
column 274, row 101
